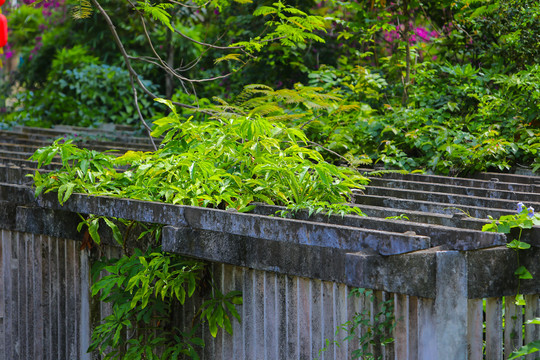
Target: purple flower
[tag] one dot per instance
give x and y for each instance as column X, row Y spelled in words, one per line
column 531, row 211
column 422, row 33
column 520, row 207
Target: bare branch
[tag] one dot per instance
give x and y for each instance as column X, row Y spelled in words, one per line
column 189, row 6
column 148, row 130
column 135, row 75
column 205, row 44
column 126, row 57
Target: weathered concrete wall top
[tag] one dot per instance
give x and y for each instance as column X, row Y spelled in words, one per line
column 395, row 255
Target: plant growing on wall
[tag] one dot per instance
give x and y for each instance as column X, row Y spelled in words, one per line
column 223, row 164
column 525, row 218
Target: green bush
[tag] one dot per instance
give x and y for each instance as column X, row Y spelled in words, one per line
column 84, row 95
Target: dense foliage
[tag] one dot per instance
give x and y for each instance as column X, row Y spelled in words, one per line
column 212, row 164
column 272, row 99
column 449, row 86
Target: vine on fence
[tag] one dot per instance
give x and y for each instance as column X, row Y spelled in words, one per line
column 525, row 218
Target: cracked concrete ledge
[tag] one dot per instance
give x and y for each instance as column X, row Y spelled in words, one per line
column 343, row 253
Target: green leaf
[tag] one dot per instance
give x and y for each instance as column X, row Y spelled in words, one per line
column 170, row 105
column 520, row 300
column 117, row 235
column 530, row 348
column 93, row 230
column 518, row 245
column 523, row 273
column 191, row 285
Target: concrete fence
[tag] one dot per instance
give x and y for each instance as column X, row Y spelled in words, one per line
column 452, row 285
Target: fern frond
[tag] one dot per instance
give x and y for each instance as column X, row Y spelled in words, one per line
column 266, row 109
column 82, row 11
column 294, row 11
column 347, row 108
column 258, row 87
column 264, row 10
column 157, row 12
column 221, row 101
column 285, row 117
column 485, row 10
column 228, row 57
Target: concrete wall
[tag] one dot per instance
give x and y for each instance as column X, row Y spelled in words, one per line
column 44, row 298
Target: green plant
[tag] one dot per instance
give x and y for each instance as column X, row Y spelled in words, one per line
column 376, row 328
column 145, row 291
column 211, row 164
column 80, row 92
column 398, row 217
column 524, row 219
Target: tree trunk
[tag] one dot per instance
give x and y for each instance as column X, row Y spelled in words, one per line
column 406, row 37
column 169, row 80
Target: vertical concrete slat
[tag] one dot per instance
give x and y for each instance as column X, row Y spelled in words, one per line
column 238, row 334
column 77, row 291
column 14, row 297
column 71, row 299
column 62, row 300
column 532, row 332
column 328, row 324
column 259, row 313
column 228, row 339
column 413, row 327
column 475, row 329
column 194, row 304
column 426, row 329
column 5, row 293
column 292, row 315
column 20, row 297
column 304, row 318
column 54, row 297
column 248, row 315
column 376, row 302
column 451, row 305
column 281, row 315
column 238, row 328
column 219, row 277
column 513, row 324
column 389, row 348
column 356, row 306
column 85, row 315
column 271, row 320
column 3, row 349
column 24, row 279
column 340, row 318
column 37, row 269
column 46, row 296
column 28, row 240
column 494, row 329
column 211, row 348
column 401, row 331
column 316, row 316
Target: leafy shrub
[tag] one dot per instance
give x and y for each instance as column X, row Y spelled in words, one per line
column 145, row 291
column 219, row 164
column 84, row 96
